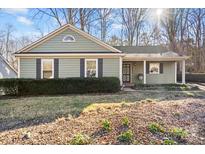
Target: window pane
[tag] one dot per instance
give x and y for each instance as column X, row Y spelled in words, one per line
column 154, row 68
column 91, row 68
column 47, row 74
column 47, row 69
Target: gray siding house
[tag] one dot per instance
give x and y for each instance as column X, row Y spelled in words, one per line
column 6, row 70
column 70, row 52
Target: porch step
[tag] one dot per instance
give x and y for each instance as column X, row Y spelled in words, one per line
column 129, row 85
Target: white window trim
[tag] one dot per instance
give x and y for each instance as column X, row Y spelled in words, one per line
column 154, row 73
column 68, row 40
column 52, row 60
column 85, row 69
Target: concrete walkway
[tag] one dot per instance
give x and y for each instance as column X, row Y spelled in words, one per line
column 200, row 85
column 128, row 89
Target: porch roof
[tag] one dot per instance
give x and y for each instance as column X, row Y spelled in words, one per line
column 153, row 57
column 154, row 53
column 141, row 49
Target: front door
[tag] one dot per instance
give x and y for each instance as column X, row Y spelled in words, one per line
column 126, row 69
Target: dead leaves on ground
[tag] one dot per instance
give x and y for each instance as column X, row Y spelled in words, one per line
column 187, row 114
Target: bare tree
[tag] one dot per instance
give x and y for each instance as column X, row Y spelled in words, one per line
column 104, row 21
column 81, row 16
column 9, row 29
column 86, row 17
column 132, row 20
column 196, row 20
column 114, row 41
column 170, row 24
column 61, row 15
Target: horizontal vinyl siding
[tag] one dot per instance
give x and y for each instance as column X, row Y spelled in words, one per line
column 168, row 75
column 82, row 44
column 27, row 68
column 69, row 68
column 111, row 67
column 136, row 69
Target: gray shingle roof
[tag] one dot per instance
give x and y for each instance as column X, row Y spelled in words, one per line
column 141, row 49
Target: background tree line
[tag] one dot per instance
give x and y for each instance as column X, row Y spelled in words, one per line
column 179, row 30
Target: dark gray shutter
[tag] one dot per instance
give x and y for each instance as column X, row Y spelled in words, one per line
column 82, row 67
column 147, row 67
column 56, row 68
column 100, row 67
column 38, row 68
column 161, row 68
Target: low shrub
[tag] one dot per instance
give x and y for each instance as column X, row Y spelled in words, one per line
column 80, row 139
column 59, row 86
column 192, row 77
column 155, row 128
column 125, row 121
column 9, row 86
column 106, row 125
column 179, row 133
column 126, row 136
column 169, row 142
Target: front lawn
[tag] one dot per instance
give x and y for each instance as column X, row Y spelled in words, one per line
column 167, row 87
column 39, row 116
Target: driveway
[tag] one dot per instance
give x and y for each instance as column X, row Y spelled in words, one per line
column 200, row 85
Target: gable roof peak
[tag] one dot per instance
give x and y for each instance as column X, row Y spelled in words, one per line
column 59, row 30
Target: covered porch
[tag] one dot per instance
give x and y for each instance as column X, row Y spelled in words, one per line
column 151, row 71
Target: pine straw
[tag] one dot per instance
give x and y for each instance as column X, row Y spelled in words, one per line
column 188, row 114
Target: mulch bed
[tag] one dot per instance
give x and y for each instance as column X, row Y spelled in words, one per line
column 187, row 114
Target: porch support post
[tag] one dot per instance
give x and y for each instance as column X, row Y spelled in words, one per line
column 120, row 71
column 175, row 72
column 144, row 74
column 183, row 71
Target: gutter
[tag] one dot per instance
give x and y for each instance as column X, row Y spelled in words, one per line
column 66, row 55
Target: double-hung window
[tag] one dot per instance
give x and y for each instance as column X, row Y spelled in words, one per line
column 91, row 68
column 47, row 69
column 154, row 68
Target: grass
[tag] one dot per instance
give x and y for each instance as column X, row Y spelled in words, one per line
column 169, row 142
column 136, row 123
column 17, row 110
column 167, row 87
